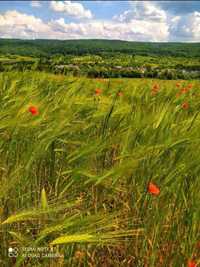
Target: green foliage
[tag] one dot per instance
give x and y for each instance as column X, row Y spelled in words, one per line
column 102, row 58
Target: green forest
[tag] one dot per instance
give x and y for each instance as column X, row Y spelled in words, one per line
column 102, row 58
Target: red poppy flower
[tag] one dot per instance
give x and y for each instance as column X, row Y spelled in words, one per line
column 120, row 93
column 98, row 91
column 192, row 264
column 189, row 86
column 178, row 85
column 153, row 189
column 184, row 90
column 185, row 105
column 33, row 110
column 155, row 87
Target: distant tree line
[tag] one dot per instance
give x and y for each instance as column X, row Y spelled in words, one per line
column 81, row 47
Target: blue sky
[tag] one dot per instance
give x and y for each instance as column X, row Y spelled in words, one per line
column 126, row 20
column 101, row 10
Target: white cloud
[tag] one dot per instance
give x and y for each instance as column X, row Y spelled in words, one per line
column 72, row 9
column 146, row 22
column 142, row 11
column 14, row 24
column 186, row 27
column 17, row 25
column 36, row 4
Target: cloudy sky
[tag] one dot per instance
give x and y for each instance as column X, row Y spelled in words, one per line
column 126, row 20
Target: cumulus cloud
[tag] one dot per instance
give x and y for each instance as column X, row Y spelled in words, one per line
column 186, row 28
column 134, row 30
column 148, row 11
column 17, row 25
column 72, row 9
column 146, row 21
column 14, row 24
column 36, row 4
column 166, row 26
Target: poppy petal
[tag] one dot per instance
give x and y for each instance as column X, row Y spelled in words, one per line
column 153, row 189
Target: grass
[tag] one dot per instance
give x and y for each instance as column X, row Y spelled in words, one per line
column 74, row 177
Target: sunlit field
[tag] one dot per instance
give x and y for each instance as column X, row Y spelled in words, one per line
column 99, row 172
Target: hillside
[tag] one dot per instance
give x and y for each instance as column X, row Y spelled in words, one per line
column 80, row 47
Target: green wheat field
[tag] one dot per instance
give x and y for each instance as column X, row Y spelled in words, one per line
column 99, row 172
